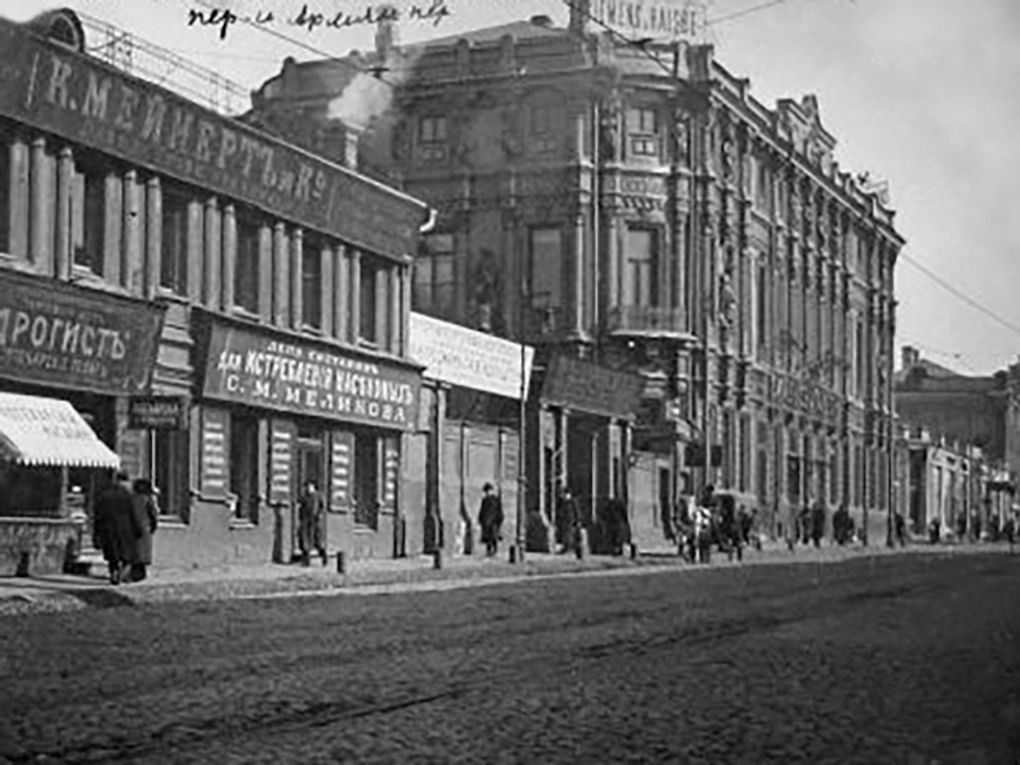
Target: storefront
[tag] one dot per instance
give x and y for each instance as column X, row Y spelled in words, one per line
column 71, row 358
column 278, row 410
column 461, row 448
column 584, row 421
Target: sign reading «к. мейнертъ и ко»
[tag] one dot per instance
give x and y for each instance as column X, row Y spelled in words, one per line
column 86, row 101
column 667, row 20
column 273, row 371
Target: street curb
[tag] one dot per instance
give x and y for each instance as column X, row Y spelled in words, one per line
column 368, row 582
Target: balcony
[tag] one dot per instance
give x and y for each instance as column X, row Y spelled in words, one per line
column 648, row 321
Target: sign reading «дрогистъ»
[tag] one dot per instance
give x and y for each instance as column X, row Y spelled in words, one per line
column 83, row 100
column 74, row 337
column 278, row 372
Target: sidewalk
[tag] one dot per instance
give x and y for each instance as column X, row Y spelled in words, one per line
column 69, row 593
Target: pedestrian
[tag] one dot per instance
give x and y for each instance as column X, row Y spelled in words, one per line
column 900, row 526
column 146, row 519
column 804, row 525
column 618, row 525
column 115, row 527
column 490, row 520
column 976, row 526
column 817, row 523
column 934, row 531
column 568, row 520
column 1010, row 530
column 311, row 524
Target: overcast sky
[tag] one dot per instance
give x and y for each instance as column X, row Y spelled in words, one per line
column 921, row 93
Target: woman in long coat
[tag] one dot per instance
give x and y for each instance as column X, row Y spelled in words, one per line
column 146, row 518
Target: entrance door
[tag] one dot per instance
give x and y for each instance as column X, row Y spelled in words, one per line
column 309, row 465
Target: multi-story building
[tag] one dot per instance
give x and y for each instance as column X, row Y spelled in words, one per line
column 229, row 310
column 635, row 209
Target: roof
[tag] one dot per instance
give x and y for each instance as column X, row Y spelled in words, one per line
column 927, row 369
column 518, row 29
column 48, row 432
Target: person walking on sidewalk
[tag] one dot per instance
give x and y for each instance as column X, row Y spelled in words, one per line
column 817, row 523
column 146, row 518
column 115, row 527
column 490, row 520
column 311, row 524
column 569, row 520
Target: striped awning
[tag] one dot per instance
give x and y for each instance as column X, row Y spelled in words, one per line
column 40, row 431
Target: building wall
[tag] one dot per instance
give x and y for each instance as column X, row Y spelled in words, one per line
column 764, row 316
column 78, row 214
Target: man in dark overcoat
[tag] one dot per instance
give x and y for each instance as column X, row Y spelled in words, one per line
column 115, row 527
column 311, row 524
column 490, row 520
column 146, row 512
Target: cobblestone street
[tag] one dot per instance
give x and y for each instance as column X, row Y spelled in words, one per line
column 898, row 659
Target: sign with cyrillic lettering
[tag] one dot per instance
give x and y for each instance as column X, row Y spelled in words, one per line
column 341, row 477
column 52, row 332
column 78, row 98
column 214, row 453
column 271, row 369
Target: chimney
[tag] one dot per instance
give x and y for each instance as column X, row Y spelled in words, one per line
column 910, row 357
column 580, row 11
column 541, row 21
column 387, row 38
column 350, row 158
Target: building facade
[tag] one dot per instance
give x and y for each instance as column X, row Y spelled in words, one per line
column 637, row 211
column 231, row 311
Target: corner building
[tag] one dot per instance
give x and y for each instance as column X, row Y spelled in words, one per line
column 261, row 293
column 658, row 220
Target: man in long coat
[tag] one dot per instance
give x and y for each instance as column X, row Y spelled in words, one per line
column 490, row 520
column 146, row 512
column 115, row 527
column 311, row 523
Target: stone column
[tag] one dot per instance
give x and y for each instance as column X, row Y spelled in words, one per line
column 153, row 236
column 281, row 276
column 405, row 309
column 41, row 184
column 354, row 293
column 342, row 317
column 214, row 288
column 297, row 248
column 62, row 256
column 196, row 265
column 265, row 273
column 326, row 295
column 396, row 314
column 114, row 231
column 229, row 254
column 19, row 206
column 131, row 260
column 577, row 278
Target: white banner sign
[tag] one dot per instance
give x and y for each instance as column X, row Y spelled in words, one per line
column 671, row 20
column 459, row 356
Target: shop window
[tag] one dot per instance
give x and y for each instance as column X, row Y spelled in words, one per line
column 368, row 329
column 244, row 465
column 545, row 275
column 173, row 264
column 433, row 276
column 246, row 263
column 366, row 480
column 89, row 214
column 170, row 472
column 5, row 196
column 640, row 267
column 29, row 491
column 311, row 281
column 643, row 129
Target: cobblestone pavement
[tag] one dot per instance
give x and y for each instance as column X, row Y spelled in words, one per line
column 898, row 659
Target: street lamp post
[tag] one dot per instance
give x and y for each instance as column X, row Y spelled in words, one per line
column 517, row 551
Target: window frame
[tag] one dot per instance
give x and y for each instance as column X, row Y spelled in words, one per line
column 90, row 172
column 244, row 465
column 312, row 285
column 169, row 452
column 633, row 266
column 175, row 206
column 247, row 222
column 430, row 294
column 548, row 301
column 368, row 308
column 643, row 138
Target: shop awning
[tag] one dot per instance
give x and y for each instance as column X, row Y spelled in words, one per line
column 40, row 431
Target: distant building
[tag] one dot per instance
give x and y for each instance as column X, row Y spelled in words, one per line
column 637, row 211
column 228, row 311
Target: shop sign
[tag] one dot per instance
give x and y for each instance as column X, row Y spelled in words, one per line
column 468, row 358
column 83, row 100
column 283, row 373
column 158, row 413
column 69, row 336
column 667, row 20
column 590, row 388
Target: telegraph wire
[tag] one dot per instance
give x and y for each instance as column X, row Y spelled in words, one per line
column 745, row 12
column 949, row 287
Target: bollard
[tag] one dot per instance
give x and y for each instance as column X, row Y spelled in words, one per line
column 437, row 558
column 341, row 562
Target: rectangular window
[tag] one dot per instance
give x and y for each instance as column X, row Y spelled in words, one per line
column 432, row 129
column 90, row 195
column 745, row 453
column 244, row 465
column 5, row 196
column 311, row 281
column 640, row 267
column 761, row 309
column 859, row 359
column 368, row 330
column 643, row 127
column 173, row 264
column 433, row 276
column 545, row 275
column 246, row 266
column 793, row 478
column 366, row 480
column 169, row 471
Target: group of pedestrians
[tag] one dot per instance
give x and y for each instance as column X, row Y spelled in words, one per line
column 126, row 517
column 714, row 520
